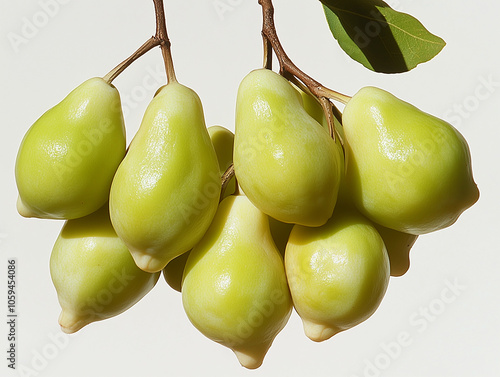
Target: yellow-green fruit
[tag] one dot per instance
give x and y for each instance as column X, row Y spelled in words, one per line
column 338, row 273
column 280, row 233
column 398, row 245
column 166, row 190
column 223, row 142
column 314, row 109
column 235, row 290
column 407, row 170
column 174, row 270
column 93, row 272
column 68, row 157
column 285, row 161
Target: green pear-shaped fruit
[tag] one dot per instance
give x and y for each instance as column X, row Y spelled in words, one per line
column 314, row 109
column 223, row 142
column 234, row 289
column 407, row 170
column 285, row 161
column 280, row 233
column 174, row 270
column 68, row 158
column 166, row 190
column 337, row 273
column 398, row 245
column 93, row 272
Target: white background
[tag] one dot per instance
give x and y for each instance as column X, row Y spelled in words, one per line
column 76, row 40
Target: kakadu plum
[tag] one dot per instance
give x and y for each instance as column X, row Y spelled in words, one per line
column 285, row 161
column 234, row 289
column 406, row 170
column 223, row 141
column 93, row 272
column 338, row 273
column 68, row 158
column 166, row 190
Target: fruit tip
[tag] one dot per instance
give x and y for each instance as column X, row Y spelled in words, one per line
column 317, row 332
column 71, row 323
column 252, row 357
column 399, row 271
column 146, row 262
column 23, row 209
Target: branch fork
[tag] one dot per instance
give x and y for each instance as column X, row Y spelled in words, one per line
column 291, row 72
column 159, row 39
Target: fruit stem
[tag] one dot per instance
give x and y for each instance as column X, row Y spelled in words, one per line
column 115, row 72
column 226, row 177
column 290, row 71
column 286, row 64
column 268, row 53
column 159, row 39
column 162, row 36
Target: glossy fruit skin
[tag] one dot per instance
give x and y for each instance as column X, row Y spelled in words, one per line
column 223, row 142
column 166, row 191
column 408, row 170
column 285, row 161
column 93, row 272
column 234, row 289
column 312, row 107
column 398, row 244
column 67, row 159
column 337, row 273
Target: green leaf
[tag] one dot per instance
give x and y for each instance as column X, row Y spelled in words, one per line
column 380, row 38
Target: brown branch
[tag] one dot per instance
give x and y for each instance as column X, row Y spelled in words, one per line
column 115, row 72
column 159, row 39
column 162, row 36
column 268, row 53
column 289, row 70
column 286, row 64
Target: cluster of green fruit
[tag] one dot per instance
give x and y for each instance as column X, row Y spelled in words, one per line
column 309, row 222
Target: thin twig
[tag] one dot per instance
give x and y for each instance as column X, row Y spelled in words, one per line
column 162, row 36
column 290, row 71
column 226, row 177
column 268, row 53
column 115, row 72
column 159, row 39
column 286, row 64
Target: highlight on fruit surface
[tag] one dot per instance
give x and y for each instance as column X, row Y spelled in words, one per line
column 315, row 211
column 407, row 170
column 93, row 272
column 166, row 190
column 67, row 159
column 223, row 140
column 234, row 289
column 285, row 161
column 337, row 273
